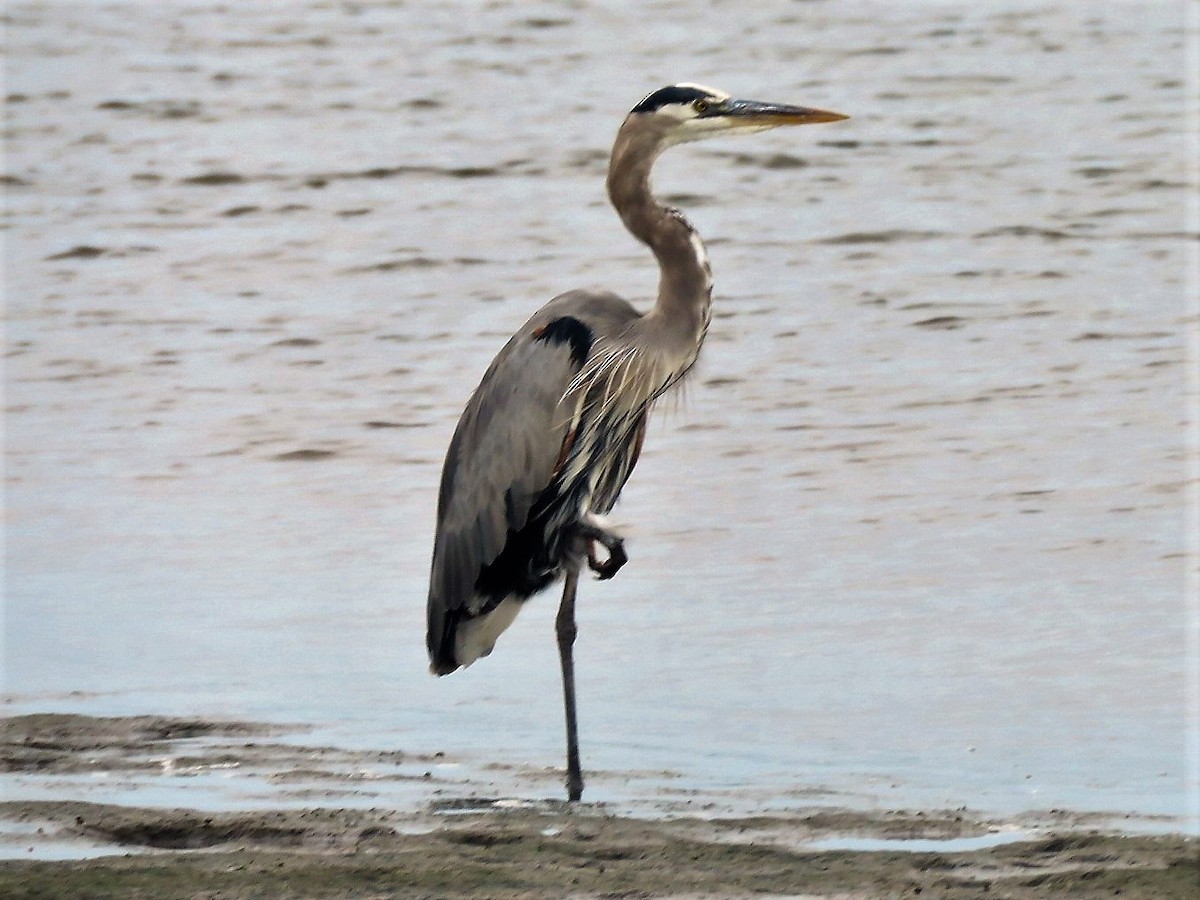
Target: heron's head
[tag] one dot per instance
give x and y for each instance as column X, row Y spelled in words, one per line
column 692, row 112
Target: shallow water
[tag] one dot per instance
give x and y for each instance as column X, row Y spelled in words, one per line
column 914, row 537
column 949, row 845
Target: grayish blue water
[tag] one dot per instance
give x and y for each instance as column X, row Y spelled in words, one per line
column 916, row 536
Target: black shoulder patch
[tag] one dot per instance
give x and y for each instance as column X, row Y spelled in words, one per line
column 673, row 94
column 568, row 330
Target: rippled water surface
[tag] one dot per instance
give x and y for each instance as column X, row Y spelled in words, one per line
column 915, row 534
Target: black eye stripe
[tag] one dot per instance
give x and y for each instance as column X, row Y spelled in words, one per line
column 673, row 94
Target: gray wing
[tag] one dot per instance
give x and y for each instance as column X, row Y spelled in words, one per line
column 506, row 448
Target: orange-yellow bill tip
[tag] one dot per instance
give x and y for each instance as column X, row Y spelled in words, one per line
column 824, row 115
column 754, row 113
column 803, row 116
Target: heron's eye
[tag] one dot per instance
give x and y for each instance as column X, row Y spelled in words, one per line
column 701, row 106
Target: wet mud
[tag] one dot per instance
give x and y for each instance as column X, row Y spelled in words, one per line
column 333, row 853
column 480, row 846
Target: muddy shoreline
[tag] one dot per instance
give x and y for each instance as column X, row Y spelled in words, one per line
column 453, row 845
column 558, row 852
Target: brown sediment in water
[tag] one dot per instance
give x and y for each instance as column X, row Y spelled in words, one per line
column 470, row 847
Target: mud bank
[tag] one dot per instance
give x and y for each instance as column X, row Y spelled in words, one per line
column 554, row 851
column 455, row 845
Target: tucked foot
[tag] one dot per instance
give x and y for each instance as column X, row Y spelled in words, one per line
column 615, row 546
column 607, row 568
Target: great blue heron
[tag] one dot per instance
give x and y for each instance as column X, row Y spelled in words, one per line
column 555, row 427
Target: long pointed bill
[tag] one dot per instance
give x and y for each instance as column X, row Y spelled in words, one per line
column 752, row 114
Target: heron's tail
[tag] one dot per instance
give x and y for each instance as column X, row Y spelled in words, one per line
column 439, row 639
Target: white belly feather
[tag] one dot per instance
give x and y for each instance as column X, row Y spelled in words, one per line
column 476, row 637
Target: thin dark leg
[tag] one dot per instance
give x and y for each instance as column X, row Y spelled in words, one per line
column 565, row 626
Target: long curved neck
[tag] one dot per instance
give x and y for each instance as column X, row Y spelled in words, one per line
column 685, row 282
